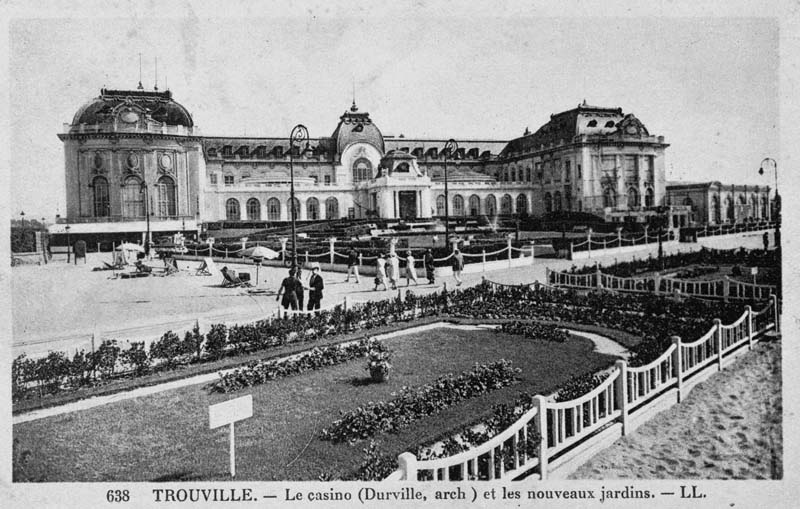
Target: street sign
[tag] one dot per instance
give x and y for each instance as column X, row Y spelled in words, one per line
column 754, row 270
column 228, row 413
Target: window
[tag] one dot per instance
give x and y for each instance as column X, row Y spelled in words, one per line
column 213, row 177
column 505, row 204
column 522, row 205
column 295, row 210
column 440, row 205
column 458, row 205
column 315, row 179
column 567, row 170
column 273, row 209
column 580, row 206
column 253, row 209
column 609, row 197
column 649, row 197
column 474, row 205
column 548, row 203
column 332, row 208
column 491, row 206
column 232, row 210
column 101, row 203
column 132, row 198
column 312, row 209
column 717, row 212
column 592, row 123
column 610, row 123
column 362, row 170
column 165, row 197
column 327, row 180
column 557, row 201
column 513, row 174
column 579, row 171
column 228, row 180
column 633, row 197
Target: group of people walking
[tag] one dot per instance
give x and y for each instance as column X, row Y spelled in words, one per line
column 388, row 269
column 292, row 291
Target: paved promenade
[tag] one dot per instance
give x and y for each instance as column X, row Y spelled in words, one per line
column 58, row 306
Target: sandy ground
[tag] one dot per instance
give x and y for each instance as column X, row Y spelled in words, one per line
column 58, row 306
column 728, row 428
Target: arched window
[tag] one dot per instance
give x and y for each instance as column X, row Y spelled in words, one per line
column 716, row 209
column 102, row 207
column 312, row 209
column 609, row 197
column 729, row 212
column 440, row 205
column 132, row 198
column 362, row 170
column 232, row 210
column 331, row 208
column 548, row 203
column 491, row 206
column 458, row 205
column 166, row 205
column 764, row 205
column 505, row 204
column 522, row 205
column 253, row 209
column 753, row 206
column 557, row 201
column 649, row 197
column 688, row 202
column 513, row 174
column 580, row 206
column 633, row 197
column 296, row 209
column 274, row 209
column 474, row 205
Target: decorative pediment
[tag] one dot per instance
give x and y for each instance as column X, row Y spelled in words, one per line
column 632, row 126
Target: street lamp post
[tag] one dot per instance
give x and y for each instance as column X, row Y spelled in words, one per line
column 144, row 190
column 66, row 228
column 450, row 147
column 768, row 161
column 298, row 137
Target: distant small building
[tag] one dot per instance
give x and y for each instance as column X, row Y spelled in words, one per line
column 712, row 203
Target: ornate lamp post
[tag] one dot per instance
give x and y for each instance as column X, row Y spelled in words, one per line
column 450, row 147
column 766, row 163
column 298, row 137
column 22, row 218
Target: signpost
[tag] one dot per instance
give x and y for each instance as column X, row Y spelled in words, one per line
column 229, row 412
column 754, row 272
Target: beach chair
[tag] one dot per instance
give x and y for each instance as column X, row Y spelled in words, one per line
column 170, row 266
column 231, row 280
column 207, row 268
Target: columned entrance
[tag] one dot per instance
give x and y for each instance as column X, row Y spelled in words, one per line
column 408, row 204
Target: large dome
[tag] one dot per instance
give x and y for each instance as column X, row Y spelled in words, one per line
column 355, row 127
column 157, row 105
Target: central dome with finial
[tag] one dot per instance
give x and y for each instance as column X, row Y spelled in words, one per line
column 356, row 127
column 129, row 106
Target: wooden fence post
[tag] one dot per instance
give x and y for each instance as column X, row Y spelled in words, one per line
column 508, row 246
column 676, row 366
column 718, row 341
column 541, row 427
column 408, row 464
column 621, row 389
column 726, row 288
column 749, row 321
column 599, row 282
column 484, row 260
column 533, row 252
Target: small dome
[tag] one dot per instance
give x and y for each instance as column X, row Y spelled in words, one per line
column 157, row 105
column 356, row 127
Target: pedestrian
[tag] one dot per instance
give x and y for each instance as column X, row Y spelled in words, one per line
column 288, row 292
column 428, row 262
column 458, row 266
column 299, row 287
column 411, row 271
column 380, row 273
column 765, row 237
column 394, row 270
column 315, row 286
column 352, row 265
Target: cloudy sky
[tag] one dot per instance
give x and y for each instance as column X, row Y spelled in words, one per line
column 709, row 85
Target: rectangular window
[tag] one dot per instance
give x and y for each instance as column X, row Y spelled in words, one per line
column 567, row 170
column 214, row 178
column 327, row 180
column 351, row 213
column 579, row 171
column 228, row 180
column 316, row 179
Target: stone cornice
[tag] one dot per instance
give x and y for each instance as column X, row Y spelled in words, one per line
column 118, row 135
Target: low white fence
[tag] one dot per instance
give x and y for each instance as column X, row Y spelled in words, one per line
column 570, row 432
column 731, row 229
column 723, row 288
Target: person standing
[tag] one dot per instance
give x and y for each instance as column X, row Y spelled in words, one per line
column 288, row 291
column 380, row 273
column 765, row 238
column 352, row 265
column 394, row 270
column 411, row 272
column 428, row 261
column 315, row 287
column 299, row 288
column 458, row 266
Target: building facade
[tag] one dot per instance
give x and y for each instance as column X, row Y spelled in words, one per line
column 713, row 203
column 134, row 157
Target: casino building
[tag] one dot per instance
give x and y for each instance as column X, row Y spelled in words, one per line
column 135, row 162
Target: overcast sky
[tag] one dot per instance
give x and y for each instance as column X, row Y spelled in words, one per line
column 708, row 85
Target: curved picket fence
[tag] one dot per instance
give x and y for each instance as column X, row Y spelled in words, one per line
column 570, row 432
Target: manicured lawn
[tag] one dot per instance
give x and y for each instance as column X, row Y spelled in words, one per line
column 166, row 436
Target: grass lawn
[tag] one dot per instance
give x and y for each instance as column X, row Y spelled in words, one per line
column 166, row 436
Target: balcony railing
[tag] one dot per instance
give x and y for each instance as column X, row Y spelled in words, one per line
column 177, row 130
column 120, row 219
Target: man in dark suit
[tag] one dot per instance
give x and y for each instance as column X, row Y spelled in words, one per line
column 315, row 286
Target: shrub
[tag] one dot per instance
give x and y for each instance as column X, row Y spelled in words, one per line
column 193, row 342
column 136, row 358
column 168, row 349
column 105, row 357
column 216, row 340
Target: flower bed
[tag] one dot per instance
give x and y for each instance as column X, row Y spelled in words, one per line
column 257, row 373
column 532, row 330
column 412, row 404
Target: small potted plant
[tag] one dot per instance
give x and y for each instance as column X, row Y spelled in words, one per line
column 378, row 364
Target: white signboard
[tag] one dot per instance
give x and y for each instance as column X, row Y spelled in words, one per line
column 754, row 270
column 228, row 413
column 231, row 411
